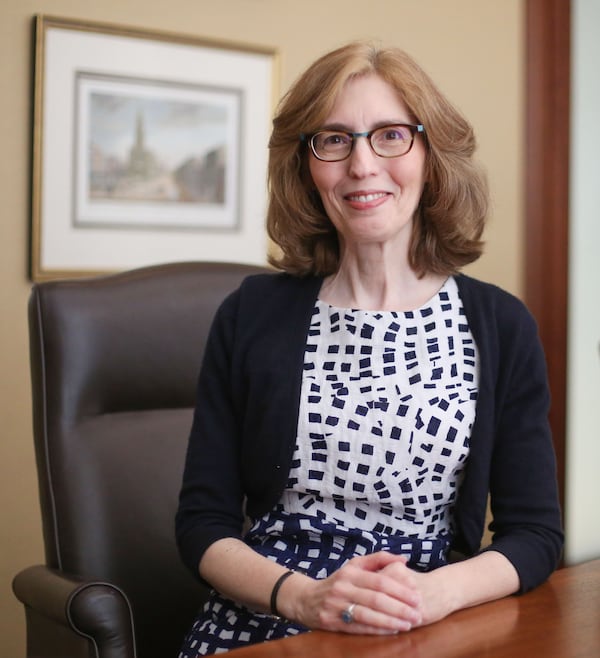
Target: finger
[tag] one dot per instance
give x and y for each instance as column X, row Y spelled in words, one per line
column 377, row 606
column 398, row 584
column 397, row 610
column 366, row 620
column 377, row 561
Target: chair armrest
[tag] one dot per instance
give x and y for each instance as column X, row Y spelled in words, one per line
column 96, row 610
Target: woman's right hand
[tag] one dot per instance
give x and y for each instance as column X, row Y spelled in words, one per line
column 382, row 604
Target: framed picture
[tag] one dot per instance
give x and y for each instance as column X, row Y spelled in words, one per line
column 149, row 147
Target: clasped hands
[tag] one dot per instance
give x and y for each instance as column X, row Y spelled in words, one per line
column 371, row 594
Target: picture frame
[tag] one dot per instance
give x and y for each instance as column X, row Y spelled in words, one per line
column 148, row 147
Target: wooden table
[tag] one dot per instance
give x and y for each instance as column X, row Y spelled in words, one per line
column 559, row 619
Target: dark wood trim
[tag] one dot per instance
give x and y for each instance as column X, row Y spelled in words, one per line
column 547, row 29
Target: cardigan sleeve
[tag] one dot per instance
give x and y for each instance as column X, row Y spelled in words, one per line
column 523, row 488
column 210, row 501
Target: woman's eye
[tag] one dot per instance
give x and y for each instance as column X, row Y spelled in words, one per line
column 396, row 133
column 335, row 139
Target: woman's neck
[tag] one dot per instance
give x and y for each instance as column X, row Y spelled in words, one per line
column 377, row 282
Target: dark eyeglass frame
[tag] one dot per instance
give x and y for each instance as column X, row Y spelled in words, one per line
column 413, row 128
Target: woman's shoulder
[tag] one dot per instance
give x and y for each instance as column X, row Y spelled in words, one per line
column 271, row 292
column 489, row 296
column 276, row 286
column 277, row 280
column 493, row 311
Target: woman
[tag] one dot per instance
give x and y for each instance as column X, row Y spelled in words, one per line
column 363, row 402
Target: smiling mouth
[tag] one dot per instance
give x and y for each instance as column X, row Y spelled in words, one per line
column 365, row 198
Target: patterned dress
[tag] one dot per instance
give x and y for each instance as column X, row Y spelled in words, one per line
column 387, row 405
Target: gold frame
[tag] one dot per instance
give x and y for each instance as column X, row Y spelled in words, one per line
column 38, row 270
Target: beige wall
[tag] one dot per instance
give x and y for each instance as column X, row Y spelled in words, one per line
column 473, row 48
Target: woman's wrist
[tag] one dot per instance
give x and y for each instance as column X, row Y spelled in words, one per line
column 485, row 577
column 292, row 597
column 439, row 595
column 275, row 592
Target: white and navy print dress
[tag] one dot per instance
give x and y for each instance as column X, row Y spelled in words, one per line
column 387, row 405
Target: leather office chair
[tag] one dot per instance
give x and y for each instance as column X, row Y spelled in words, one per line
column 114, row 362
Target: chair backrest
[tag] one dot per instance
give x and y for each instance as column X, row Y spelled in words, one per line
column 114, row 363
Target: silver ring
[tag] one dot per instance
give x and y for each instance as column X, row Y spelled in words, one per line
column 348, row 614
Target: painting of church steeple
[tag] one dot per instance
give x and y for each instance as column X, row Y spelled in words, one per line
column 142, row 163
column 170, row 149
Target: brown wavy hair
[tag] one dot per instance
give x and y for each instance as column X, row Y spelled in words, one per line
column 451, row 215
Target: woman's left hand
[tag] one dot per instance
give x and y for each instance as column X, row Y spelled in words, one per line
column 434, row 603
column 485, row 577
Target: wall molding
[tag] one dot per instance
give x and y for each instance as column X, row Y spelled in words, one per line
column 547, row 75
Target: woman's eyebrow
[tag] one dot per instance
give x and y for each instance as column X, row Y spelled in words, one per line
column 379, row 124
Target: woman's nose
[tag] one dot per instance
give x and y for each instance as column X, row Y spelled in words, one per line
column 362, row 161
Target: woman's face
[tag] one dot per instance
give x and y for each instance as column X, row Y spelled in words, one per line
column 370, row 199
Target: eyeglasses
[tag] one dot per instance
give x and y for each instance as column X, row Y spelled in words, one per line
column 387, row 142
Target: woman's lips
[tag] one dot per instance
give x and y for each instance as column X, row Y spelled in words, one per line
column 365, row 197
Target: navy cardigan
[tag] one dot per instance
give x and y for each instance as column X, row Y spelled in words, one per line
column 244, row 428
